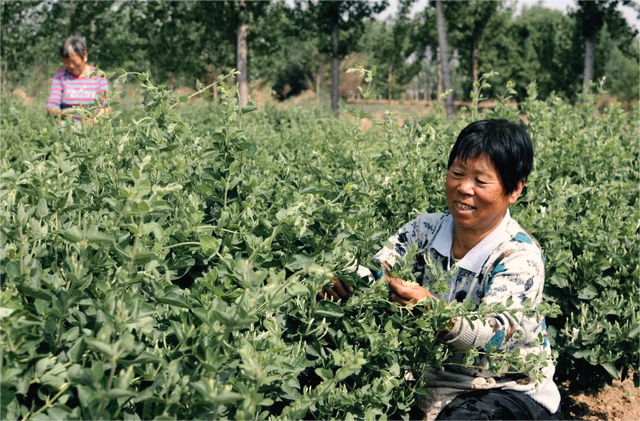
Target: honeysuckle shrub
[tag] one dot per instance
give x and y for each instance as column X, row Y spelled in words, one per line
column 164, row 264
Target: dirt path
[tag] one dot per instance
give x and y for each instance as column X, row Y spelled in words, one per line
column 621, row 401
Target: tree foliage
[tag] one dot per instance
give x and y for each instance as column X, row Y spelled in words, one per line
column 290, row 45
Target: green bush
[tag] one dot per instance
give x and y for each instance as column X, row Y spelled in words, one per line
column 164, row 264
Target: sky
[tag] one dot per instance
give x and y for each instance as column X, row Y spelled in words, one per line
column 629, row 13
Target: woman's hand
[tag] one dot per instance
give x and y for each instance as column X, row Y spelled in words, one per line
column 403, row 294
column 339, row 291
column 89, row 120
column 56, row 112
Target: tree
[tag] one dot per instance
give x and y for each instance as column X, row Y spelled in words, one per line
column 327, row 21
column 446, row 71
column 389, row 46
column 469, row 25
column 243, row 87
column 19, row 22
column 591, row 16
column 538, row 45
column 167, row 38
column 229, row 26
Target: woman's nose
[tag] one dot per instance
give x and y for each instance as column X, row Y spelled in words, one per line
column 465, row 187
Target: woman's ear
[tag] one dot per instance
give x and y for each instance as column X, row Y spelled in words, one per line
column 86, row 56
column 513, row 196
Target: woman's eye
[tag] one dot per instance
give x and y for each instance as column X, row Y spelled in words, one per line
column 480, row 181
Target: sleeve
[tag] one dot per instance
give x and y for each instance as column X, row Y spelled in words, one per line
column 402, row 241
column 55, row 93
column 518, row 273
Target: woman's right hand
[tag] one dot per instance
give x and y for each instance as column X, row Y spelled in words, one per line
column 339, row 291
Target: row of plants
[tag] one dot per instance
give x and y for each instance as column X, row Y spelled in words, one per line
column 164, row 264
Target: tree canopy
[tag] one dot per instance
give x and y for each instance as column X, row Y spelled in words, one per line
column 291, row 45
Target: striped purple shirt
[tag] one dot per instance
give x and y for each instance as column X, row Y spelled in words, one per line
column 69, row 91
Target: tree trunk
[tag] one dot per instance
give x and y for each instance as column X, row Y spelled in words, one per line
column 439, row 90
column 318, row 79
column 3, row 51
column 390, row 82
column 474, row 59
column 335, row 65
column 5, row 73
column 93, row 33
column 427, row 93
column 170, row 84
column 589, row 60
column 446, row 71
column 243, row 87
column 214, row 76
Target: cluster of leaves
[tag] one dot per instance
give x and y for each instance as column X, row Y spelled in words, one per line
column 582, row 205
column 166, row 267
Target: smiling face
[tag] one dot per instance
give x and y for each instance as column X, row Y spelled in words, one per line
column 476, row 197
column 75, row 64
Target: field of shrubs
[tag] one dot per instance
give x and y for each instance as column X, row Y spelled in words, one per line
column 164, row 264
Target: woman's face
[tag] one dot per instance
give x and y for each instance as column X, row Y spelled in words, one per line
column 75, row 64
column 475, row 195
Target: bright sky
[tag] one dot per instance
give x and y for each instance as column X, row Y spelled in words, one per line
column 629, row 13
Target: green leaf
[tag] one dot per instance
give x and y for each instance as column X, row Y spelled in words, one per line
column 144, row 256
column 297, row 289
column 35, row 293
column 12, row 270
column 248, row 109
column 77, row 350
column 144, row 206
column 587, row 293
column 120, row 393
column 164, row 417
column 226, row 397
column 100, row 347
column 329, row 309
column 54, row 381
column 42, row 209
column 10, row 174
column 300, row 261
column 209, row 244
column 324, row 373
column 184, row 99
column 72, row 235
column 174, row 299
column 611, row 369
column 6, row 312
column 94, row 236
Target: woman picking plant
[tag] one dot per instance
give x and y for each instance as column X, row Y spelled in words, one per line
column 74, row 85
column 497, row 263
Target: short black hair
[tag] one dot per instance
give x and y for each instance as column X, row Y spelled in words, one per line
column 76, row 44
column 507, row 144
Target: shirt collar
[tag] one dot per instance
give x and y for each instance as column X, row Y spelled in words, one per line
column 475, row 258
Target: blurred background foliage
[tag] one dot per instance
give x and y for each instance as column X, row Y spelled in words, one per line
column 290, row 44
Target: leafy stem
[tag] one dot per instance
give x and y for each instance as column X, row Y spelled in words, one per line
column 49, row 402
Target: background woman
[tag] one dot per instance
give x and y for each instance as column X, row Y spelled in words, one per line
column 72, row 86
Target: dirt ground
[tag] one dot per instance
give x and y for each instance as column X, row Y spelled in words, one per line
column 620, row 401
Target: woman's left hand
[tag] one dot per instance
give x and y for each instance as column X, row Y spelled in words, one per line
column 403, row 294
